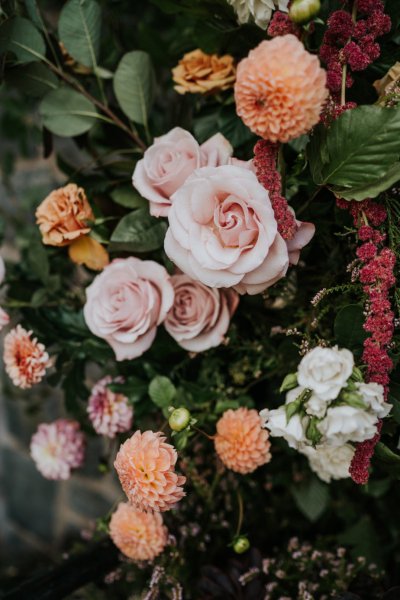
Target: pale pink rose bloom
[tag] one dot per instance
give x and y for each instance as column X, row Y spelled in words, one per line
column 167, row 164
column 222, row 231
column 4, row 318
column 109, row 412
column 200, row 316
column 126, row 303
column 57, row 448
column 2, row 270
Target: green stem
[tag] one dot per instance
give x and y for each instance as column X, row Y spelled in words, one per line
column 240, row 517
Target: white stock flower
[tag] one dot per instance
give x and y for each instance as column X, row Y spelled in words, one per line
column 328, row 462
column 325, row 371
column 373, row 395
column 260, row 10
column 276, row 421
column 347, row 424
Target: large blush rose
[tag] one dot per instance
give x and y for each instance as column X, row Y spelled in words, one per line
column 126, row 302
column 200, row 316
column 222, row 231
column 167, row 164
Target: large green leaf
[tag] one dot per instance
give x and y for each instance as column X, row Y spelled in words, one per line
column 128, row 197
column 67, row 113
column 21, row 37
column 348, row 327
column 357, row 150
column 371, row 189
column 134, row 85
column 79, row 30
column 138, row 232
column 312, row 498
column 162, row 391
column 34, row 79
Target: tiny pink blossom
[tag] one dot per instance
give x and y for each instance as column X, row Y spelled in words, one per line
column 57, row 448
column 109, row 412
column 4, row 318
column 25, row 359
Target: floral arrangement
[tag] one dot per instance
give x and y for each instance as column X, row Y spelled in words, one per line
column 228, row 231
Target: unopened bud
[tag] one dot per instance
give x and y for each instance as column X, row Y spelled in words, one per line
column 302, row 11
column 179, row 419
column 241, row 544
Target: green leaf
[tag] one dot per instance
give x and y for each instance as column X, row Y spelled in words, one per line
column 387, row 456
column 358, row 149
column 21, row 37
column 289, row 382
column 134, row 85
column 232, row 127
column 67, row 113
column 162, row 391
column 312, row 498
column 348, row 327
column 34, row 79
column 79, row 29
column 371, row 190
column 127, row 196
column 138, row 232
column 312, row 432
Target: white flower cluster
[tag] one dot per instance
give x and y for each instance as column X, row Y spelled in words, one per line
column 327, row 406
column 260, row 10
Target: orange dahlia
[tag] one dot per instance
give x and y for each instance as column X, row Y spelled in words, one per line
column 280, row 89
column 138, row 535
column 145, row 465
column 240, row 441
column 25, row 360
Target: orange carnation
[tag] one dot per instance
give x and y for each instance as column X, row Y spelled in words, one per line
column 201, row 73
column 280, row 89
column 62, row 216
column 138, row 535
column 145, row 465
column 240, row 441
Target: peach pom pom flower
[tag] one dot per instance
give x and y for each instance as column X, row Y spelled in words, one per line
column 138, row 535
column 145, row 465
column 280, row 89
column 109, row 412
column 57, row 448
column 240, row 441
column 25, row 359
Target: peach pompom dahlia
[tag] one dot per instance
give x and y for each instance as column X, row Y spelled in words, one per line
column 137, row 534
column 280, row 89
column 109, row 412
column 25, row 359
column 240, row 442
column 57, row 448
column 145, row 465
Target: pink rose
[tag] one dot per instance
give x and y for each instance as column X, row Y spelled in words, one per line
column 305, row 232
column 167, row 164
column 200, row 316
column 126, row 302
column 222, row 231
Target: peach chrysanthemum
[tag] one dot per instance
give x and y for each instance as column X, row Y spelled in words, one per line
column 138, row 535
column 109, row 412
column 280, row 89
column 240, row 441
column 57, row 448
column 145, row 465
column 25, row 359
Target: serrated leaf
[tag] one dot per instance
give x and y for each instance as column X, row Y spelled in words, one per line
column 128, row 197
column 348, row 327
column 162, row 391
column 34, row 79
column 138, row 232
column 21, row 37
column 312, row 498
column 371, row 190
column 79, row 30
column 67, row 113
column 134, row 85
column 359, row 147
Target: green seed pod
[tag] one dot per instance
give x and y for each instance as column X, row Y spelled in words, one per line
column 302, row 11
column 241, row 544
column 179, row 419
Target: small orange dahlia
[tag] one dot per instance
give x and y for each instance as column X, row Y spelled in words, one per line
column 240, row 441
column 280, row 89
column 138, row 535
column 25, row 360
column 145, row 465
